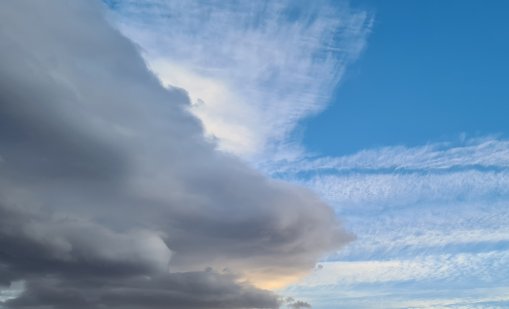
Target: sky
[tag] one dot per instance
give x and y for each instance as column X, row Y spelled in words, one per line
column 268, row 154
column 432, row 71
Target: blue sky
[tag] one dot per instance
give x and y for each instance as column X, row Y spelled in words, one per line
column 394, row 112
column 432, row 71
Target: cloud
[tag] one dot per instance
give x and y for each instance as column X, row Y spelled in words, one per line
column 12, row 291
column 418, row 297
column 36, row 243
column 430, row 223
column 474, row 153
column 253, row 69
column 175, row 290
column 109, row 192
column 429, row 281
column 395, row 189
column 473, row 170
column 299, row 305
column 443, row 267
column 458, row 192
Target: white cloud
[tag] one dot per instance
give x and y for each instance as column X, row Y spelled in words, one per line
column 12, row 291
column 438, row 197
column 488, row 152
column 252, row 68
column 474, row 170
column 492, row 299
column 482, row 266
column 426, row 216
column 397, row 189
column 433, row 281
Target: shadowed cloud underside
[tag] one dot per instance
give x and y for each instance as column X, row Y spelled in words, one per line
column 110, row 196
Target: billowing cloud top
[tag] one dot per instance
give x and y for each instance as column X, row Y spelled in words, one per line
column 110, row 197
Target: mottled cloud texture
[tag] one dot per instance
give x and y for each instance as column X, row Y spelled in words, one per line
column 110, row 196
column 253, row 69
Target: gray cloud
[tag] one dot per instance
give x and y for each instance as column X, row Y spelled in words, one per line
column 299, row 305
column 296, row 304
column 107, row 184
column 205, row 289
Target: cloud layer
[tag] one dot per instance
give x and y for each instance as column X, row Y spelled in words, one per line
column 253, row 69
column 430, row 223
column 110, row 196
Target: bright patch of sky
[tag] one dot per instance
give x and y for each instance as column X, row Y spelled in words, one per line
column 411, row 151
column 10, row 292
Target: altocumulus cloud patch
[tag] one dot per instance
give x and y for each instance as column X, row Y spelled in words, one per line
column 110, row 197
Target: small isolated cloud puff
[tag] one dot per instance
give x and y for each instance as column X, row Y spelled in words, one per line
column 296, row 304
column 110, row 197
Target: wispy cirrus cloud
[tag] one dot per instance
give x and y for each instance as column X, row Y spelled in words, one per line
column 426, row 218
column 374, row 298
column 380, row 190
column 432, row 281
column 253, row 69
column 484, row 267
column 485, row 153
column 418, row 197
column 475, row 169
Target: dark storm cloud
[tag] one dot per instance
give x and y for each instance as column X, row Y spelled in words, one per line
column 290, row 302
column 34, row 243
column 106, row 181
column 299, row 305
column 204, row 289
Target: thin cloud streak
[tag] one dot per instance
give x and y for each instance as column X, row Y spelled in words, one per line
column 485, row 267
column 488, row 152
column 476, row 170
column 437, row 218
column 422, row 282
column 395, row 189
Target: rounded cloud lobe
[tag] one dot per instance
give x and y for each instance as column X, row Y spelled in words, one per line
column 110, row 196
